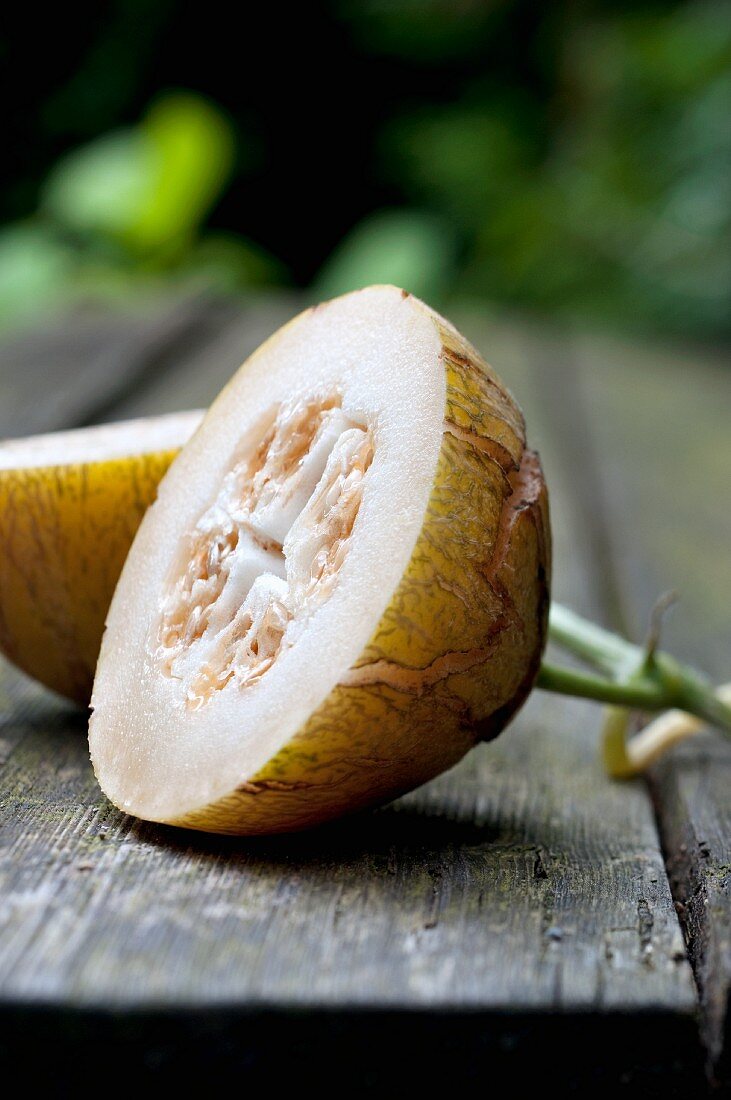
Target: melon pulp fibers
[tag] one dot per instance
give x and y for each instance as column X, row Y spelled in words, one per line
column 70, row 504
column 341, row 586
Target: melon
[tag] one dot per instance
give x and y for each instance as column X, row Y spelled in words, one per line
column 341, row 587
column 70, row 504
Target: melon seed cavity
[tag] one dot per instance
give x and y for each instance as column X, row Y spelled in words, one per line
column 267, row 552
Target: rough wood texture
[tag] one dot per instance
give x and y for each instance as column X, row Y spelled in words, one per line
column 514, row 907
column 498, row 886
column 663, row 414
column 73, row 369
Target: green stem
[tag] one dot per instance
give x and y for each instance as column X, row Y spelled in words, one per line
column 599, row 647
column 569, row 681
column 692, row 693
column 638, row 679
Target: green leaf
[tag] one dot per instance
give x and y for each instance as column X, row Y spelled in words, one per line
column 147, row 188
column 35, row 269
column 404, row 247
column 101, row 188
column 229, row 262
column 193, row 146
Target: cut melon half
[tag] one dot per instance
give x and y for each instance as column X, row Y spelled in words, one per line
column 70, row 504
column 341, row 586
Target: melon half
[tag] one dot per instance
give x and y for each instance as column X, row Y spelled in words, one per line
column 341, row 587
column 70, row 504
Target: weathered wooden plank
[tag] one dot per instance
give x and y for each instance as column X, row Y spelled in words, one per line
column 522, row 882
column 501, row 885
column 71, row 369
column 659, row 420
column 197, row 374
column 489, row 901
column 661, row 424
column 694, row 811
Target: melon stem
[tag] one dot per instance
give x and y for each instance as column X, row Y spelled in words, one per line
column 608, row 652
column 632, row 678
column 570, row 681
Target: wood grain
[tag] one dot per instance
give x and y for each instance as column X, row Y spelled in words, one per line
column 198, row 372
column 520, row 889
column 660, row 422
column 72, row 369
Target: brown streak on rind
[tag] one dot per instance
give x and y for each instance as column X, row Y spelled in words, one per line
column 526, row 487
column 415, row 681
column 528, row 504
column 498, row 454
column 460, row 354
column 272, row 785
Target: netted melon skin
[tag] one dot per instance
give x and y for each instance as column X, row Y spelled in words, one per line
column 459, row 646
column 65, row 532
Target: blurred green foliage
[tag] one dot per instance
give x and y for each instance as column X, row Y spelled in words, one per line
column 608, row 195
column 570, row 158
column 403, row 247
column 147, row 188
column 127, row 210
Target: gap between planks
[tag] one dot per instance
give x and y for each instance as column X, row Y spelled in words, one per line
column 664, row 434
column 627, row 404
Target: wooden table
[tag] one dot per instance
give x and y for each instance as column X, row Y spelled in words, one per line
column 521, row 913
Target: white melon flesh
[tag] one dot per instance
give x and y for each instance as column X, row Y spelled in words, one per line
column 287, row 535
column 101, row 443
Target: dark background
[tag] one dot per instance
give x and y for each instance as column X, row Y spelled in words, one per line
column 571, row 158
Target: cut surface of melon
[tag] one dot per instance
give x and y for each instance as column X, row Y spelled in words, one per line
column 267, row 551
column 100, row 443
column 343, row 575
column 70, row 504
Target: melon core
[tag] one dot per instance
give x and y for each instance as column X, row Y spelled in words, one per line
column 267, row 552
